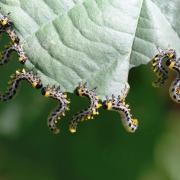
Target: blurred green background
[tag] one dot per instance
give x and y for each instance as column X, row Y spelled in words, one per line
column 101, row 148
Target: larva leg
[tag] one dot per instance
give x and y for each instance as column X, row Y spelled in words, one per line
column 88, row 113
column 116, row 104
column 16, row 79
column 57, row 94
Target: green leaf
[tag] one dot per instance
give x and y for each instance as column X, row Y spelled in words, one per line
column 97, row 41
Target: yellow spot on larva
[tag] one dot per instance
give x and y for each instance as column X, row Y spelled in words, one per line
column 97, row 97
column 46, row 94
column 135, row 122
column 98, row 105
column 171, row 56
column 172, row 65
column 89, row 117
column 34, row 84
column 4, row 22
column 109, row 105
column 79, row 91
column 178, row 91
column 17, row 72
column 72, row 130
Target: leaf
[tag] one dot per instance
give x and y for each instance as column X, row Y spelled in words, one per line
column 97, row 41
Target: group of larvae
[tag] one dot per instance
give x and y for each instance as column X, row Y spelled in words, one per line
column 113, row 103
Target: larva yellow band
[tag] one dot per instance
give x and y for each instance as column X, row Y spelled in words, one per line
column 34, row 84
column 109, row 105
column 171, row 65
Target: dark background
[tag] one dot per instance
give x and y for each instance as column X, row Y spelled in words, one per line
column 101, row 148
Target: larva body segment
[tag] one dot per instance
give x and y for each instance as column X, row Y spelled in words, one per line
column 57, row 94
column 5, row 22
column 87, row 113
column 16, row 79
column 174, row 89
column 158, row 67
column 119, row 105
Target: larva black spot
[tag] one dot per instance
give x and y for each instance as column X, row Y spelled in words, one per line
column 16, row 79
column 61, row 97
column 86, row 114
column 119, row 105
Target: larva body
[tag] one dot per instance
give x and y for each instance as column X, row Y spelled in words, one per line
column 158, row 67
column 87, row 113
column 174, row 89
column 16, row 79
column 57, row 94
column 119, row 105
column 7, row 52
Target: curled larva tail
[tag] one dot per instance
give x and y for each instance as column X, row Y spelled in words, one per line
column 16, row 78
column 88, row 113
column 159, row 68
column 119, row 105
column 63, row 106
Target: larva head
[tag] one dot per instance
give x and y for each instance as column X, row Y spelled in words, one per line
column 81, row 89
column 107, row 104
column 33, row 78
column 5, row 22
column 22, row 58
column 171, row 54
column 46, row 91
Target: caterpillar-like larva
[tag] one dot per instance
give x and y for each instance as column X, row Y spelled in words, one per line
column 7, row 52
column 158, row 67
column 16, row 78
column 119, row 105
column 6, row 26
column 89, row 112
column 61, row 97
column 174, row 90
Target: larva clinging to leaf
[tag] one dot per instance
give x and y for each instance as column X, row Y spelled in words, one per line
column 119, row 105
column 88, row 113
column 61, row 97
column 16, row 78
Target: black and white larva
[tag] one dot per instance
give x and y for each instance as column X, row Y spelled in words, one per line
column 6, row 26
column 89, row 112
column 158, row 67
column 57, row 94
column 7, row 52
column 119, row 105
column 174, row 90
column 16, row 78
